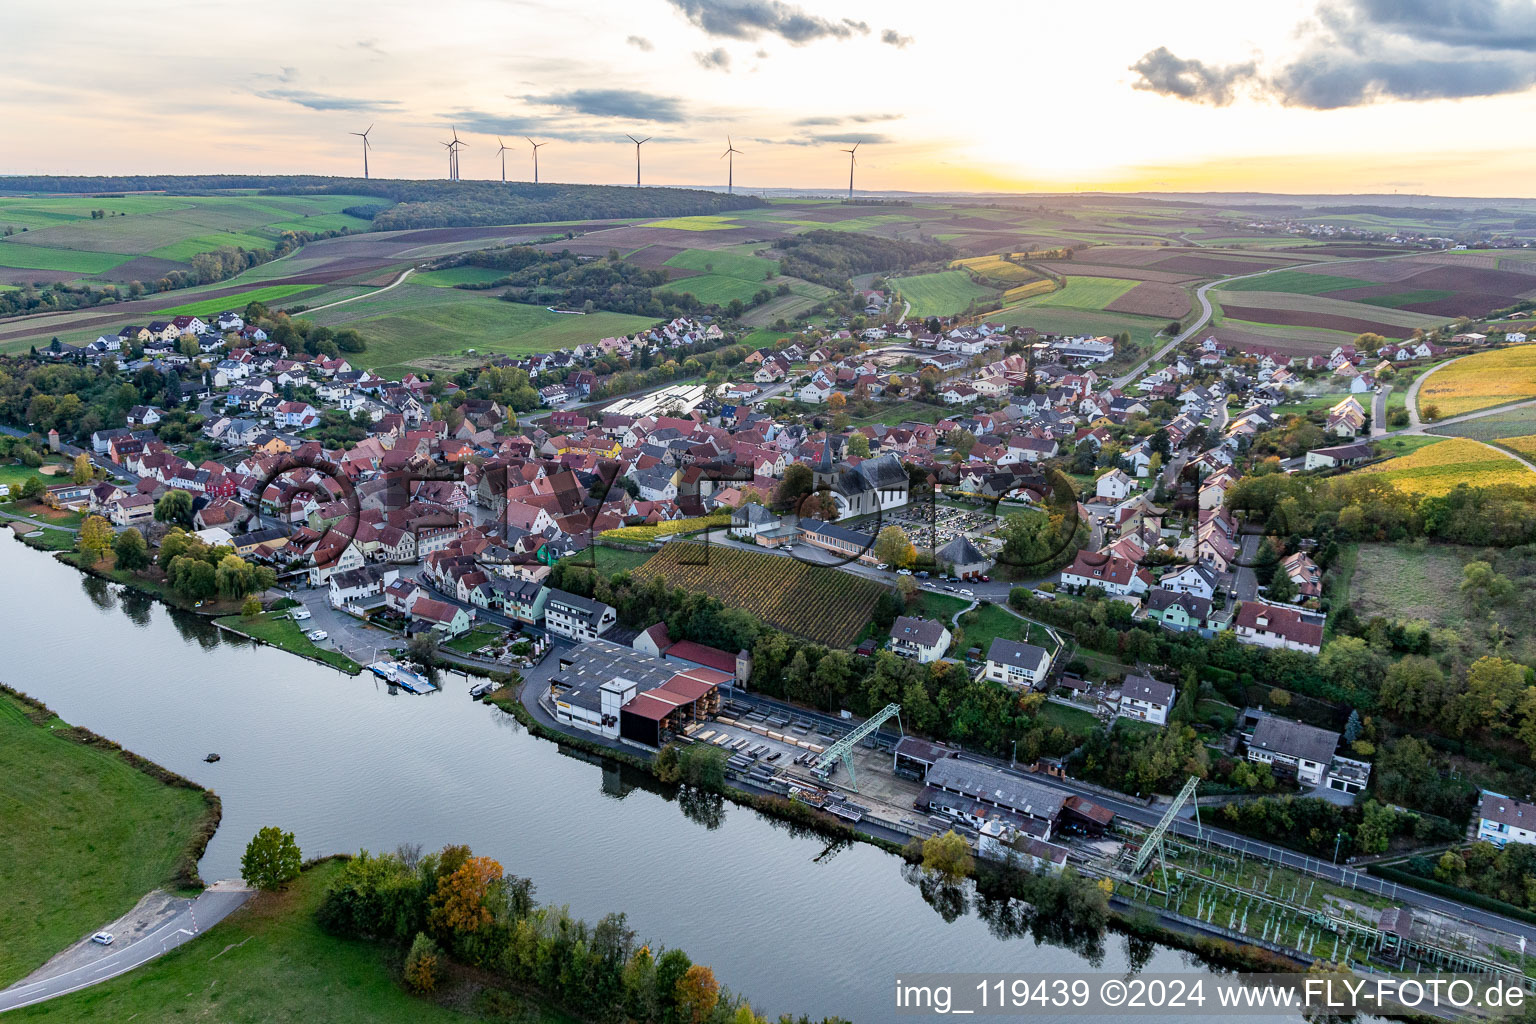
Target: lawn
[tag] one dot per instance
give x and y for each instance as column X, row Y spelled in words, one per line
column 67, row 261
column 608, row 561
column 989, row 621
column 280, row 631
column 1405, row 444
column 1480, row 381
column 268, row 961
column 1438, row 468
column 1075, row 721
column 941, row 606
column 472, row 641
column 892, row 414
column 942, row 294
column 432, row 328
column 86, row 836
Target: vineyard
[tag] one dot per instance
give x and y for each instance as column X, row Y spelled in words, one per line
column 1438, row 468
column 822, row 605
column 1024, row 291
column 1480, row 381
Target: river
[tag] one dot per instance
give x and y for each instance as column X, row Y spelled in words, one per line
column 346, row 765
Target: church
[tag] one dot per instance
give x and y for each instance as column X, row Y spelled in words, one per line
column 873, row 485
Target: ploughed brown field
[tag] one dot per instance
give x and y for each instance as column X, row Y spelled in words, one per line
column 1153, row 299
column 1306, row 318
column 1237, row 336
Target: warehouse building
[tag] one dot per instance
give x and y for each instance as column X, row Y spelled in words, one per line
column 616, row 692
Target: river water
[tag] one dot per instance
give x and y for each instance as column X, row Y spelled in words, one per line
column 345, row 765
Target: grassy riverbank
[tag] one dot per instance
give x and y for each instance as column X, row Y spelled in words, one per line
column 269, row 961
column 88, row 830
column 277, row 629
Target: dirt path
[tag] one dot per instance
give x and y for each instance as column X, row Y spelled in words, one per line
column 407, row 272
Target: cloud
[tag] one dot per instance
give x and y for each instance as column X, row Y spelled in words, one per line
column 629, row 104
column 641, row 43
column 1162, row 72
column 749, row 19
column 829, row 121
column 372, row 46
column 321, row 101
column 849, row 138
column 893, row 38
column 715, row 60
column 1358, row 52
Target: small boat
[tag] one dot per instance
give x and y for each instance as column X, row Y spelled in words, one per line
column 211, row 758
column 398, row 675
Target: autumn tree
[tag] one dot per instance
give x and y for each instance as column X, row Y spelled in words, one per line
column 271, row 859
column 83, row 469
column 95, row 537
column 251, row 608
column 421, row 963
column 460, row 904
column 948, row 856
column 858, row 446
column 697, row 992
column 893, row 547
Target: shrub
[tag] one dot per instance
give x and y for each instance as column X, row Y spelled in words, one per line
column 421, row 964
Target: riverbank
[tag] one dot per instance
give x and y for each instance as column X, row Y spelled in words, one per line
column 278, row 630
column 90, row 828
column 270, row 960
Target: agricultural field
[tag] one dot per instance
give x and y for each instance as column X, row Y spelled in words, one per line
column 725, row 263
column 940, row 294
column 1084, row 293
column 456, row 276
column 268, row 294
column 823, row 605
column 57, row 261
column 1523, row 445
column 997, row 270
column 1480, row 381
column 431, row 328
column 1153, row 298
column 1297, row 282
column 1499, row 426
column 1439, row 468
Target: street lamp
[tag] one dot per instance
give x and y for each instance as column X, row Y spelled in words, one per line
column 1336, row 840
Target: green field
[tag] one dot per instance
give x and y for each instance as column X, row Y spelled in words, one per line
column 457, row 275
column 86, row 835
column 1399, row 299
column 716, row 287
column 1494, row 427
column 726, row 263
column 268, row 961
column 268, row 294
column 169, row 227
column 1297, row 281
column 941, row 294
column 1084, row 293
column 431, row 328
column 708, row 222
column 69, row 261
column 989, row 621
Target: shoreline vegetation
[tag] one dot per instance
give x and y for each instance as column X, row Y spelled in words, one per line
column 91, row 827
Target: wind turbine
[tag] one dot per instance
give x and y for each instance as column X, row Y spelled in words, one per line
column 730, row 170
column 502, row 152
column 456, row 145
column 535, row 146
column 452, row 159
column 638, row 143
column 851, row 161
column 364, row 137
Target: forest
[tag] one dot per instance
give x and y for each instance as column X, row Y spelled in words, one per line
column 830, row 258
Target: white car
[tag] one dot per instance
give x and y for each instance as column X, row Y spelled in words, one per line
column 883, row 566
column 300, row 614
column 968, row 593
column 317, row 635
column 903, row 572
column 103, row 938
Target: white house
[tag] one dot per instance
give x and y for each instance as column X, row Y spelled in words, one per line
column 924, row 640
column 1196, row 580
column 1146, row 699
column 1503, row 820
column 1274, row 625
column 1293, row 749
column 576, row 617
column 1023, row 666
column 1114, row 485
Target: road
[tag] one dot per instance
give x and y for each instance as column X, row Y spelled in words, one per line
column 1205, row 310
column 189, row 920
column 1379, row 411
column 397, row 282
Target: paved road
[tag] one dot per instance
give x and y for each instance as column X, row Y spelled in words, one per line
column 1205, row 310
column 192, row 918
column 1379, row 411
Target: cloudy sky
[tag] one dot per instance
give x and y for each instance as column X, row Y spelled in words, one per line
column 1431, row 96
